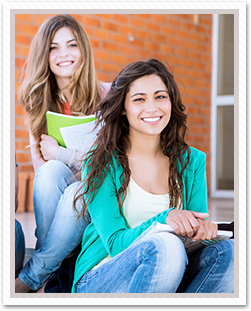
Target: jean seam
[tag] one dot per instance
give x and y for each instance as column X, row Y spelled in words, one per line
column 212, row 268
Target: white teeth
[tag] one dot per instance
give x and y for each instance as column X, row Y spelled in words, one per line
column 65, row 64
column 151, row 119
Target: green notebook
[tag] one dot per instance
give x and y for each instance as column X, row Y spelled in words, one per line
column 57, row 120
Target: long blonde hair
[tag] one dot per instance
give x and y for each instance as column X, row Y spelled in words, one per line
column 39, row 91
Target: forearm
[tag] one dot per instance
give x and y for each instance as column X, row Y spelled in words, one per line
column 73, row 158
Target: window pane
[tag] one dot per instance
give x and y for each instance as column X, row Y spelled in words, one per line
column 226, row 55
column 225, row 148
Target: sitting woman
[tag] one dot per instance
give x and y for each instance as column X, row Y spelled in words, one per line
column 141, row 171
column 59, row 76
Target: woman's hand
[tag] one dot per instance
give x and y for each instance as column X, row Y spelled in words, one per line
column 187, row 223
column 49, row 147
column 206, row 231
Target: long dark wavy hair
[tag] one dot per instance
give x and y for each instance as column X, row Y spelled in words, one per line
column 113, row 138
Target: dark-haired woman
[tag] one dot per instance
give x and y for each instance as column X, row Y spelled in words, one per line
column 139, row 172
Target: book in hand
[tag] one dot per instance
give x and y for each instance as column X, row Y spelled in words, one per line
column 190, row 245
column 56, row 121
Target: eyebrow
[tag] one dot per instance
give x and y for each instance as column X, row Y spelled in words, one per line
column 145, row 93
column 66, row 41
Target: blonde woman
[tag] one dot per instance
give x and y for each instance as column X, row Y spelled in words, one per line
column 59, row 76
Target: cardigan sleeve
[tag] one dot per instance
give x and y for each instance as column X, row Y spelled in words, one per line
column 108, row 221
column 196, row 184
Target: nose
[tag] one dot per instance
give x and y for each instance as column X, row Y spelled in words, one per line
column 151, row 106
column 63, row 52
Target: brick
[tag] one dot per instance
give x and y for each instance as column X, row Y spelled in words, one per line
column 106, row 16
column 88, row 31
column 90, row 21
column 22, row 157
column 167, row 49
column 187, row 81
column 187, row 63
column 173, row 41
column 153, row 26
column 101, row 55
column 23, row 17
column 103, row 77
column 22, row 39
column 145, row 16
column 95, row 44
column 120, row 18
column 19, row 63
column 102, row 34
column 159, row 18
column 173, row 60
column 185, row 16
column 17, row 27
column 199, row 120
column 152, row 46
column 17, row 50
column 142, row 34
column 109, row 67
column 120, row 39
column 27, row 168
column 187, row 26
column 19, row 110
column 17, row 74
column 29, row 29
column 143, row 54
column 194, row 92
column 16, row 121
column 167, row 30
column 39, row 19
column 173, row 22
column 182, row 33
column 127, row 30
column 195, row 74
column 159, row 38
column 137, row 22
column 21, row 133
column 110, row 26
column 25, row 51
column 199, row 139
column 181, row 52
column 201, row 47
column 195, row 37
column 97, row 64
column 126, row 50
column 110, row 46
column 188, row 45
column 195, row 55
column 137, row 43
column 181, row 71
column 118, row 59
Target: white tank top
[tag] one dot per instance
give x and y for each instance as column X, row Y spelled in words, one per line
column 140, row 205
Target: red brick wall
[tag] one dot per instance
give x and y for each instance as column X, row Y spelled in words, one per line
column 177, row 39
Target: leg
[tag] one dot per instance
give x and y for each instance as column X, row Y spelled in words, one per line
column 154, row 264
column 50, row 182
column 19, row 248
column 211, row 270
column 63, row 237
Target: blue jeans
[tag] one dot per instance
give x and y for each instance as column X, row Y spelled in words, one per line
column 58, row 232
column 157, row 264
column 19, row 247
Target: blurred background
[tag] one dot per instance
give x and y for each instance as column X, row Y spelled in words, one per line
column 199, row 48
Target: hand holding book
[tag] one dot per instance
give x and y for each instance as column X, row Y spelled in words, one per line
column 71, row 131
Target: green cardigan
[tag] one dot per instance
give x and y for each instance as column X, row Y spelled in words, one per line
column 108, row 234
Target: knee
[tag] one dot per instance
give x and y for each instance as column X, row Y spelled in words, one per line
column 226, row 250
column 221, row 252
column 53, row 174
column 169, row 249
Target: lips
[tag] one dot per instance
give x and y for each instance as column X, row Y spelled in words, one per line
column 65, row 63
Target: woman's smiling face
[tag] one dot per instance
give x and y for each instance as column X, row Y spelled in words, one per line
column 148, row 106
column 65, row 55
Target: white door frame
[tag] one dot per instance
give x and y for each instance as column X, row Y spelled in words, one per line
column 216, row 101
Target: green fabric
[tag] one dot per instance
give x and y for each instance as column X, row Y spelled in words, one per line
column 108, row 233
